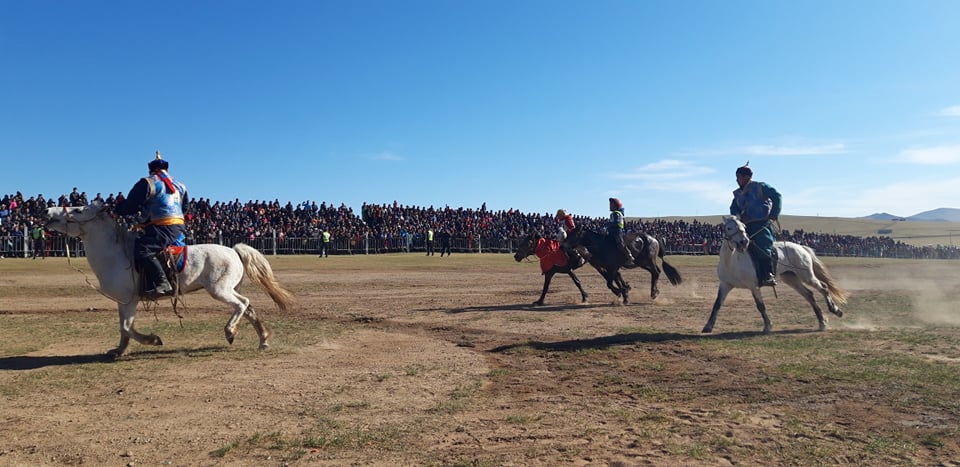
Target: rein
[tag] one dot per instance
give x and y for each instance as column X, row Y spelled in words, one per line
column 68, row 218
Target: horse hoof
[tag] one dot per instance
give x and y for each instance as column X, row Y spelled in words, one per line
column 264, row 347
column 113, row 354
column 707, row 330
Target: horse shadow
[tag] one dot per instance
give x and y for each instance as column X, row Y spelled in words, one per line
column 606, row 342
column 519, row 307
column 25, row 362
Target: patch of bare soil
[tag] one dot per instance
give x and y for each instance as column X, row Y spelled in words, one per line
column 447, row 364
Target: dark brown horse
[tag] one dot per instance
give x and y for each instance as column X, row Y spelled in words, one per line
column 528, row 247
column 644, row 248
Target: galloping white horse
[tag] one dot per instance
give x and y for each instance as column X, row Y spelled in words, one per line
column 216, row 268
column 798, row 266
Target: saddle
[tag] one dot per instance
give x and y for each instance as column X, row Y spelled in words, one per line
column 172, row 260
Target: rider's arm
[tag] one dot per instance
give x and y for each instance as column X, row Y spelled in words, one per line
column 775, row 199
column 135, row 199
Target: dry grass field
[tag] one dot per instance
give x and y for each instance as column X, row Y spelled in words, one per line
column 414, row 360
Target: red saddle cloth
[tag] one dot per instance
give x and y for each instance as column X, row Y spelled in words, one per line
column 550, row 255
column 177, row 255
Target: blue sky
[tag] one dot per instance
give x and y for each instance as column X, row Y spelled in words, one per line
column 848, row 108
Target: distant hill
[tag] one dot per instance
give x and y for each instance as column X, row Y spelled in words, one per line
column 882, row 216
column 939, row 215
column 913, row 232
column 936, row 215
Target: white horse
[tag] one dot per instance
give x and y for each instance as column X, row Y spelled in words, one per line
column 216, row 268
column 798, row 266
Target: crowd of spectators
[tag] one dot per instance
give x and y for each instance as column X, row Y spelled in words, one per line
column 396, row 224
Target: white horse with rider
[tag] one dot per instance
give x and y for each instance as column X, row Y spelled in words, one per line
column 216, row 268
column 798, row 266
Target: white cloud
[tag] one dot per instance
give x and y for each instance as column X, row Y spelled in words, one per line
column 905, row 198
column 667, row 169
column 937, row 155
column 387, row 156
column 814, row 150
column 952, row 111
column 676, row 178
column 769, row 150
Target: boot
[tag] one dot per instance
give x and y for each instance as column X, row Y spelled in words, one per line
column 573, row 258
column 766, row 276
column 155, row 283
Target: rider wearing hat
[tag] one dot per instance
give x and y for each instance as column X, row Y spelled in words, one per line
column 757, row 204
column 160, row 199
column 615, row 230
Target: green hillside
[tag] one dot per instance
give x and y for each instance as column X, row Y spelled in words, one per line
column 909, row 232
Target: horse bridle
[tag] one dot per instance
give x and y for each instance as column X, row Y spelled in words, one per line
column 731, row 243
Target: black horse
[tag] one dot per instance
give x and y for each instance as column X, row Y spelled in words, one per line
column 644, row 248
column 528, row 247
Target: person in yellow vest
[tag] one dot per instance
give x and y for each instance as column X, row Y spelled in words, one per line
column 325, row 246
column 430, row 242
column 39, row 242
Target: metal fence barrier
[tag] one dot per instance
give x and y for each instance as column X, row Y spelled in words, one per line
column 22, row 246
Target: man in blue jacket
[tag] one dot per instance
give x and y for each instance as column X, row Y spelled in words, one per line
column 757, row 204
column 160, row 199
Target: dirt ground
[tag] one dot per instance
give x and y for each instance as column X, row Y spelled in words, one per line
column 402, row 360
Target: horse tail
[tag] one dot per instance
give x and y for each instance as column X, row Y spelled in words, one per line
column 820, row 270
column 256, row 268
column 672, row 273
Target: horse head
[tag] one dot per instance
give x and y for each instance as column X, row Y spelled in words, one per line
column 575, row 236
column 735, row 232
column 70, row 220
column 526, row 246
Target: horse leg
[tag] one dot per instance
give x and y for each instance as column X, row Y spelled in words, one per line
column 625, row 287
column 128, row 314
column 576, row 281
column 546, row 285
column 794, row 281
column 622, row 285
column 722, row 292
column 260, row 326
column 831, row 305
column 608, row 276
column 240, row 305
column 241, row 308
column 654, row 277
column 758, row 299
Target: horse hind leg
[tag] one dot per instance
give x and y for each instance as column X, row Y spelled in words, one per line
column 796, row 283
column 260, row 327
column 242, row 308
column 239, row 304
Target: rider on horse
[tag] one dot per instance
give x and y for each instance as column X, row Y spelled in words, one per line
column 566, row 225
column 160, row 199
column 756, row 204
column 615, row 231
